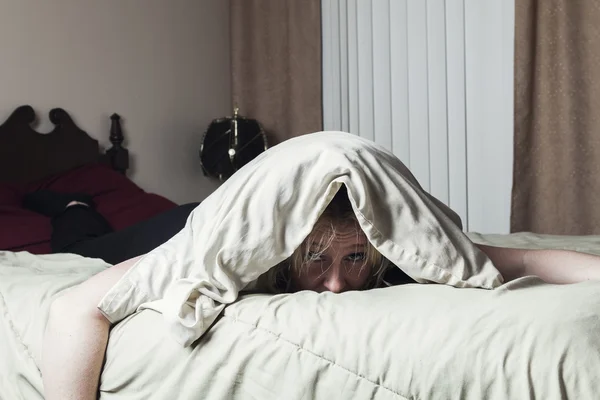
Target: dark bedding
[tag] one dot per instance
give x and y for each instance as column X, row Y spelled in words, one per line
column 117, row 198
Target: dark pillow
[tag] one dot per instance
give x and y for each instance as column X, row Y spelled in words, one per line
column 125, row 209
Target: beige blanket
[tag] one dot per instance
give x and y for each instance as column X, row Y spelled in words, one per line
column 524, row 340
column 27, row 285
column 260, row 215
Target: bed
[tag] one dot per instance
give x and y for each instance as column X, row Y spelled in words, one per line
column 65, row 160
column 522, row 340
column 287, row 347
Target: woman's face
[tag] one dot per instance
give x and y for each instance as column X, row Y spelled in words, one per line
column 339, row 268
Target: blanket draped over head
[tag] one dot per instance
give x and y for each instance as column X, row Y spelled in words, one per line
column 258, row 217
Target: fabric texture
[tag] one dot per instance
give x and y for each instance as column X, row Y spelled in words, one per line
column 557, row 98
column 520, row 341
column 22, row 229
column 76, row 229
column 117, row 198
column 258, row 217
column 76, row 225
column 19, row 227
column 28, row 284
column 276, row 65
column 525, row 340
column 9, row 195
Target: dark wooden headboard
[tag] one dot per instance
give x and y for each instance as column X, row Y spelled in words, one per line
column 27, row 155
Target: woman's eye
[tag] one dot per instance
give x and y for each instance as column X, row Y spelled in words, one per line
column 314, row 256
column 354, row 257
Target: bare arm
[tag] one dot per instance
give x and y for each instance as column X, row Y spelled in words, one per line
column 76, row 336
column 552, row 266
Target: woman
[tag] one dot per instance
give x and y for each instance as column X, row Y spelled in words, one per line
column 335, row 257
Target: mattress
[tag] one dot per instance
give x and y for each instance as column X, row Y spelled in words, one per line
column 524, row 340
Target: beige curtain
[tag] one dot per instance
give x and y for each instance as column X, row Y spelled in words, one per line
column 556, row 185
column 276, row 62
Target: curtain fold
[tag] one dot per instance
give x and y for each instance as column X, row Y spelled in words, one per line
column 276, row 65
column 556, row 182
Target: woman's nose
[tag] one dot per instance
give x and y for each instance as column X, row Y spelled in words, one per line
column 335, row 281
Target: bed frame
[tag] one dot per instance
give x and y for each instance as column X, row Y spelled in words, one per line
column 27, row 155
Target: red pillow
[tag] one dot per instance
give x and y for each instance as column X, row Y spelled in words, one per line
column 24, row 230
column 117, row 198
column 21, row 229
column 91, row 179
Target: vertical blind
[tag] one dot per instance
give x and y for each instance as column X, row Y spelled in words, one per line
column 414, row 76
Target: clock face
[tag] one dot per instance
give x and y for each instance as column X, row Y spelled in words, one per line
column 229, row 144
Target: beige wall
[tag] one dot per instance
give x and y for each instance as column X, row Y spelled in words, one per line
column 163, row 65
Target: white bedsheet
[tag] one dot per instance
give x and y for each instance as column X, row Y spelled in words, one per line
column 27, row 285
column 524, row 340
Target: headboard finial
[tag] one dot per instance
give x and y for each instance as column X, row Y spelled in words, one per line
column 116, row 134
column 117, row 154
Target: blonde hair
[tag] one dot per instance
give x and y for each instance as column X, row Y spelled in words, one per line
column 337, row 216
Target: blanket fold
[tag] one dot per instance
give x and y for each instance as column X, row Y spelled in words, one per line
column 260, row 215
